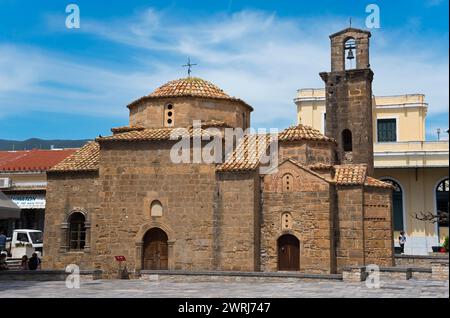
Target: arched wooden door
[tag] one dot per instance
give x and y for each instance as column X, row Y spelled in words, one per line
column 288, row 253
column 155, row 254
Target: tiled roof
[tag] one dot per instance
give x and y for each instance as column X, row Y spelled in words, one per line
column 320, row 166
column 189, row 87
column 32, row 160
column 247, row 155
column 117, row 130
column 214, row 123
column 155, row 134
column 372, row 182
column 351, row 174
column 301, row 132
column 85, row 159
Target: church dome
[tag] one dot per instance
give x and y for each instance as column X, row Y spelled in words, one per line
column 190, row 87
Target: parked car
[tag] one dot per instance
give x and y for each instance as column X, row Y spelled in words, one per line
column 24, row 242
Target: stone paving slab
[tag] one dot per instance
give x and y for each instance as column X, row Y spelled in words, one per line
column 162, row 289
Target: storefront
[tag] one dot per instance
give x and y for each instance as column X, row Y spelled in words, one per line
column 32, row 206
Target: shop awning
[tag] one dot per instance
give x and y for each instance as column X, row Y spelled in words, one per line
column 28, row 201
column 8, row 209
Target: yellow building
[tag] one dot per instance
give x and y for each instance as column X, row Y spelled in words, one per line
column 418, row 168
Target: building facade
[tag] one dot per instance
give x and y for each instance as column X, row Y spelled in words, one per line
column 126, row 195
column 402, row 156
column 23, row 180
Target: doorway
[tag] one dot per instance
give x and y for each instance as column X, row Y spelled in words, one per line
column 155, row 250
column 288, row 253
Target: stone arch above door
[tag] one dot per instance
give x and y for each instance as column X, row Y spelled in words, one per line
column 139, row 241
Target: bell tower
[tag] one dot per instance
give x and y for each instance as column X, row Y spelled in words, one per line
column 349, row 97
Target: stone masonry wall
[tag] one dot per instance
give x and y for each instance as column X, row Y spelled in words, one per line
column 67, row 193
column 150, row 113
column 379, row 243
column 236, row 222
column 133, row 175
column 307, row 152
column 349, row 227
column 309, row 205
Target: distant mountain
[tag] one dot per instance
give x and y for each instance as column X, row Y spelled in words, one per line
column 35, row 143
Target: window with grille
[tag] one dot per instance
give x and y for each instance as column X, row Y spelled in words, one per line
column 77, row 231
column 387, row 130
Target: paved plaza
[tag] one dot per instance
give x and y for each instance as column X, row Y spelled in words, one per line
column 151, row 289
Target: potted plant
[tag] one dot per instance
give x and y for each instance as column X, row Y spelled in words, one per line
column 445, row 245
column 435, row 249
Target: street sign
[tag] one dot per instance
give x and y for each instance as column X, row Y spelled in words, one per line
column 120, row 258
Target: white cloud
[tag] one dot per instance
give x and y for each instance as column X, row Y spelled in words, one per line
column 257, row 56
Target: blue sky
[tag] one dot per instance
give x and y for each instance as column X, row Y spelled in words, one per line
column 75, row 83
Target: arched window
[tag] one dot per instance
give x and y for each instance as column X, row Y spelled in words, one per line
column 442, row 202
column 350, row 54
column 156, row 208
column 288, row 182
column 397, row 204
column 286, row 221
column 77, row 231
column 347, row 140
column 169, row 115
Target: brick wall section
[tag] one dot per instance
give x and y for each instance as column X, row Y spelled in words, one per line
column 379, row 243
column 307, row 152
column 150, row 113
column 349, row 227
column 418, row 260
column 135, row 174
column 309, row 206
column 237, row 222
column 349, row 106
column 65, row 193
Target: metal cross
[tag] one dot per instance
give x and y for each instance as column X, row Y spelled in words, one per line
column 350, row 22
column 189, row 66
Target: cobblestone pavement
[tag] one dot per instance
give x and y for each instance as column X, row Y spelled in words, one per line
column 140, row 288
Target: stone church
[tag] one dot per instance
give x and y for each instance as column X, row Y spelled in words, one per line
column 317, row 212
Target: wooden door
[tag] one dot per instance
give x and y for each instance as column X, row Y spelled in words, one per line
column 288, row 253
column 155, row 250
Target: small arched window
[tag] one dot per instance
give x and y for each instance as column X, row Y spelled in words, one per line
column 156, row 208
column 286, row 221
column 77, row 231
column 347, row 140
column 169, row 115
column 288, row 182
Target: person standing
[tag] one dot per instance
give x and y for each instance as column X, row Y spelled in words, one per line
column 2, row 241
column 402, row 241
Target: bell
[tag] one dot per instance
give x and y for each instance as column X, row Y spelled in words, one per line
column 350, row 55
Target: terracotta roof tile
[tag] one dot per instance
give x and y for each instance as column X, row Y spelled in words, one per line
column 372, row 182
column 352, row 174
column 320, row 166
column 85, row 159
column 118, row 130
column 301, row 132
column 189, row 87
column 247, row 154
column 155, row 134
column 32, row 160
